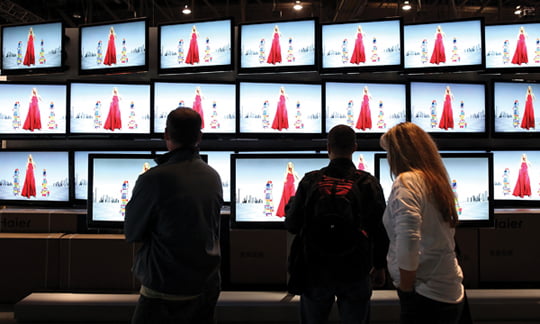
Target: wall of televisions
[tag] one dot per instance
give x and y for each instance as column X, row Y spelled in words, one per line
column 83, row 109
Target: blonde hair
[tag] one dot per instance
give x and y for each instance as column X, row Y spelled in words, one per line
column 410, row 148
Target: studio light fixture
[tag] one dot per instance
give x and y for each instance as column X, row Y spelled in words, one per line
column 186, row 10
column 517, row 11
column 406, row 5
column 297, row 5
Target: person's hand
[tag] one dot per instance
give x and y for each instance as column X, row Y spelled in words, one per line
column 378, row 277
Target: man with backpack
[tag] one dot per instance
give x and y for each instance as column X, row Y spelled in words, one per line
column 340, row 245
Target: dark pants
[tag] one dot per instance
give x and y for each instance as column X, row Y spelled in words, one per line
column 352, row 301
column 417, row 309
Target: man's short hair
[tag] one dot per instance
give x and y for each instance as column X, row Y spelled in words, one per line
column 184, row 126
column 342, row 140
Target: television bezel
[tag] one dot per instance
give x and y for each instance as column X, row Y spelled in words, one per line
column 491, row 206
column 43, row 203
column 452, row 134
column 277, row 69
column 124, row 135
column 366, row 68
column 115, row 70
column 34, row 70
column 198, row 68
column 452, row 68
column 34, row 135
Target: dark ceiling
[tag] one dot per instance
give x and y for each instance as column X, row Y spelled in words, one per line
column 77, row 12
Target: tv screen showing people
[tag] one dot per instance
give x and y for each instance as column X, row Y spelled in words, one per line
column 516, row 177
column 514, row 108
column 513, row 46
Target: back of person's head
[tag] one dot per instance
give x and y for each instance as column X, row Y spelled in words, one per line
column 184, row 127
column 341, row 140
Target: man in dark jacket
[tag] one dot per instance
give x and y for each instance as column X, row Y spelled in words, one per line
column 348, row 276
column 174, row 212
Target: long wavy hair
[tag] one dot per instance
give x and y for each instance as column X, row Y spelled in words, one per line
column 409, row 148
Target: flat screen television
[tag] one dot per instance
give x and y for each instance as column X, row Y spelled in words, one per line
column 448, row 46
column 32, row 109
column 471, row 179
column 278, row 46
column 369, row 108
column 449, row 108
column 111, row 178
column 516, row 177
column 114, row 47
column 514, row 107
column 100, row 108
column 196, row 46
column 279, row 108
column 35, row 178
column 32, row 48
column 221, row 162
column 215, row 102
column 261, row 187
column 362, row 46
column 513, row 47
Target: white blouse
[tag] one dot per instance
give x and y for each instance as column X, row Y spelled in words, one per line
column 421, row 241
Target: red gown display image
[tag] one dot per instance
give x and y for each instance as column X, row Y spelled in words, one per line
column 114, row 118
column 359, row 53
column 527, row 122
column 364, row 118
column 33, row 117
column 30, row 56
column 520, row 54
column 281, row 119
column 275, row 50
column 447, row 117
column 523, row 183
column 193, row 51
column 29, row 186
column 438, row 56
column 197, row 105
column 289, row 189
column 110, row 55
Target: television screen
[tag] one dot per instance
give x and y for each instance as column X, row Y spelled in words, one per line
column 292, row 108
column 262, row 185
column 32, row 48
column 471, row 179
column 215, row 102
column 109, row 108
column 114, row 47
column 514, row 108
column 221, row 162
column 278, row 46
column 453, row 45
column 367, row 107
column 513, row 47
column 34, row 178
column 195, row 46
column 444, row 107
column 369, row 45
column 32, row 109
column 516, row 178
column 110, row 184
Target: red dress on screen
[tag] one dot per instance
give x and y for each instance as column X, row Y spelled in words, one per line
column 33, row 118
column 29, row 56
column 110, row 56
column 29, row 187
column 197, row 106
column 114, row 119
column 438, row 55
column 520, row 55
column 288, row 192
column 275, row 51
column 193, row 51
column 281, row 119
column 528, row 115
column 359, row 53
column 364, row 119
column 447, row 117
column 523, row 184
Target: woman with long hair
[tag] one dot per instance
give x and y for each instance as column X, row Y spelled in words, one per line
column 114, row 117
column 438, row 55
column 289, row 189
column 523, row 183
column 528, row 114
column 29, row 186
column 197, row 104
column 281, row 118
column 447, row 116
column 520, row 54
column 364, row 118
column 30, row 55
column 359, row 53
column 33, row 117
column 110, row 55
column 420, row 219
column 275, row 50
column 193, row 50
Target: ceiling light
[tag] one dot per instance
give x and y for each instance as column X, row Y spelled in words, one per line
column 297, row 6
column 186, row 10
column 406, row 6
column 517, row 11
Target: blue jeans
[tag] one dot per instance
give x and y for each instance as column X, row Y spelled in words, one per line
column 417, row 309
column 352, row 300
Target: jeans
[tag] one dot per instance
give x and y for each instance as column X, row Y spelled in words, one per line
column 417, row 309
column 352, row 301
